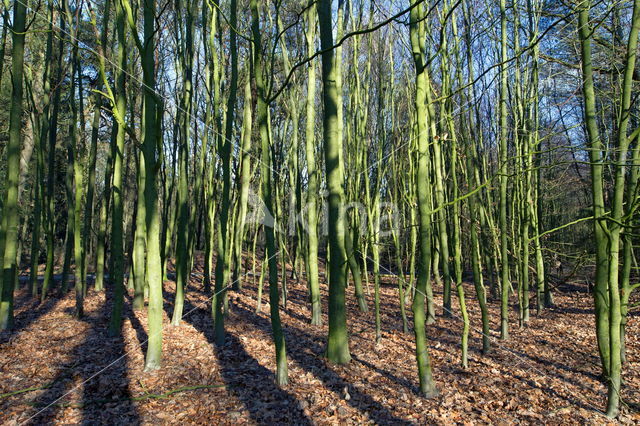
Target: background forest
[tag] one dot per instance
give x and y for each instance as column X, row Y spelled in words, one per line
column 393, row 178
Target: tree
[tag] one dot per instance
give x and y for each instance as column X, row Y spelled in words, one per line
column 338, row 339
column 10, row 220
column 312, row 173
column 262, row 116
column 504, row 250
column 182, row 252
column 417, row 30
column 608, row 227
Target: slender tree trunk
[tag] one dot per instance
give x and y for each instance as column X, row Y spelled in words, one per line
column 312, row 175
column 51, row 165
column 338, row 339
column 105, row 206
column 628, row 256
column 504, row 271
column 417, row 34
column 600, row 291
column 623, row 141
column 244, row 181
column 10, row 205
column 40, row 166
column 222, row 262
column 262, row 112
column 182, row 246
column 152, row 160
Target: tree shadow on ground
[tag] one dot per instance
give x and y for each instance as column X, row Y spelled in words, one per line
column 28, row 315
column 246, row 379
column 399, row 380
column 141, row 333
column 552, row 393
column 308, row 354
column 531, row 360
column 564, row 367
column 98, row 368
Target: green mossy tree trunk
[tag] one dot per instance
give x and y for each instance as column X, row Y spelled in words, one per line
column 118, row 101
column 50, row 225
column 244, row 181
column 262, row 115
column 312, row 174
column 503, row 160
column 600, row 291
column 338, row 340
column 423, row 184
column 182, row 249
column 10, row 204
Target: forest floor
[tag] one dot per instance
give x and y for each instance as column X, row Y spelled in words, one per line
column 69, row 371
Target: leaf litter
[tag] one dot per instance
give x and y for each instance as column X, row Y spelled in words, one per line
column 59, row 369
